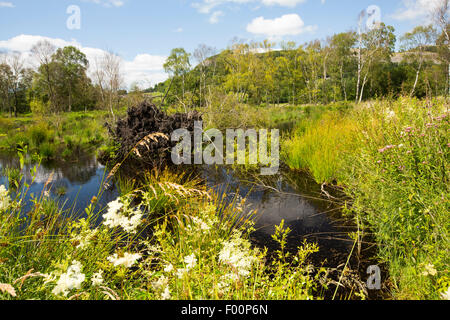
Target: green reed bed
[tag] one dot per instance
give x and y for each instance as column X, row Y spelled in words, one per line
column 55, row 137
column 393, row 160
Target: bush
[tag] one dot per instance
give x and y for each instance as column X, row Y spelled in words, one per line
column 47, row 151
column 38, row 134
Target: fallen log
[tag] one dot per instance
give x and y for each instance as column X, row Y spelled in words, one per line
column 144, row 134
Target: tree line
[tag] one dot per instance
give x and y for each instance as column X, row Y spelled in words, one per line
column 348, row 66
column 58, row 81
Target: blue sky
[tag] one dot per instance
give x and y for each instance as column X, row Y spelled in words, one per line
column 144, row 32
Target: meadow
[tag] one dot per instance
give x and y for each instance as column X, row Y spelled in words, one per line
column 54, row 137
column 170, row 237
column 173, row 245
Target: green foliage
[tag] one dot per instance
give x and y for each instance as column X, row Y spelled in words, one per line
column 313, row 73
column 67, row 135
column 38, row 134
column 392, row 158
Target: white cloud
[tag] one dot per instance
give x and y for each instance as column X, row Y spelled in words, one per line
column 6, row 5
column 286, row 25
column 178, row 30
column 419, row 10
column 145, row 69
column 215, row 17
column 207, row 6
column 283, row 3
column 107, row 3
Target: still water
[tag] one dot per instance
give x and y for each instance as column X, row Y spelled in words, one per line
column 288, row 196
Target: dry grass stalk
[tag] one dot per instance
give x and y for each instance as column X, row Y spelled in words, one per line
column 4, row 287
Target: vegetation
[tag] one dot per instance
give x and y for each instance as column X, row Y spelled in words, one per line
column 367, row 120
column 345, row 67
column 61, row 136
column 172, row 245
column 392, row 159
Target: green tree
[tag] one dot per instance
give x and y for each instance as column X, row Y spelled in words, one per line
column 45, row 80
column 5, row 87
column 178, row 65
column 342, row 60
column 415, row 45
column 375, row 45
column 71, row 66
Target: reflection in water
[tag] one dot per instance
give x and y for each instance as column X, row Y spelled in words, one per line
column 275, row 199
column 80, row 180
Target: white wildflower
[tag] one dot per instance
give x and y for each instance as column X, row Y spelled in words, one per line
column 70, row 280
column 166, row 294
column 97, row 278
column 160, row 283
column 231, row 277
column 429, row 270
column 128, row 259
column 202, row 225
column 5, row 201
column 446, row 295
column 190, row 261
column 226, row 281
column 168, row 268
column 181, row 273
column 114, row 218
column 389, row 114
column 236, row 253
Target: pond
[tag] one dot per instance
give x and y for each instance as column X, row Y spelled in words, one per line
column 73, row 185
column 289, row 196
column 295, row 198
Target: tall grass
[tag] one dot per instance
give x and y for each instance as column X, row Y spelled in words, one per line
column 59, row 137
column 393, row 159
column 318, row 145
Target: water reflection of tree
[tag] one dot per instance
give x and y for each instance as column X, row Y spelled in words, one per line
column 80, row 172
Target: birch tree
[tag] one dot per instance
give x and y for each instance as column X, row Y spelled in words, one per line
column 375, row 45
column 414, row 44
column 108, row 76
column 440, row 17
column 43, row 52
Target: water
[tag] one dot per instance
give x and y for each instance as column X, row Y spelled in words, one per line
column 294, row 198
column 81, row 181
column 288, row 196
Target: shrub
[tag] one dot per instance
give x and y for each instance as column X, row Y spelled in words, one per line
column 38, row 134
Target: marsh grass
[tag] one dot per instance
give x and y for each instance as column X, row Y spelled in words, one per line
column 318, row 145
column 55, row 137
column 392, row 159
column 14, row 177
